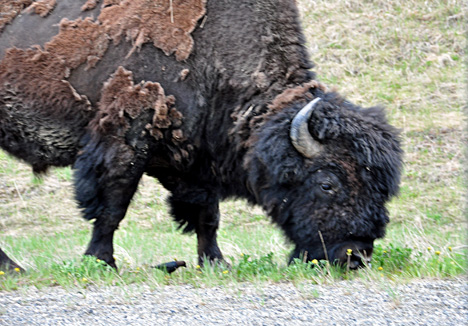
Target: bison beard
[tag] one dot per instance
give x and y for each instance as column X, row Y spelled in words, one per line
column 187, row 102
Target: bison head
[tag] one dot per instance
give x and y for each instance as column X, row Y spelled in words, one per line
column 324, row 172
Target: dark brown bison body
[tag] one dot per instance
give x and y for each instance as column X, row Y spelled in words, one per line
column 204, row 97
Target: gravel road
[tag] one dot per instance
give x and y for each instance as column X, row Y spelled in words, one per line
column 423, row 302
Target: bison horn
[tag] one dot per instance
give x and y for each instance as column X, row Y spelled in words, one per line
column 300, row 135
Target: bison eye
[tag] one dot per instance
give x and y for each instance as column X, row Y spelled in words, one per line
column 326, row 187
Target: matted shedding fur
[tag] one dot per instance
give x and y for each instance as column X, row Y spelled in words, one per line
column 42, row 7
column 86, row 41
column 9, row 9
column 120, row 97
column 298, row 93
column 79, row 41
column 41, row 74
column 89, row 5
column 167, row 26
column 139, row 21
column 40, row 77
column 107, row 3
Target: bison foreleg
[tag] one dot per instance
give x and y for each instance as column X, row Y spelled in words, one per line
column 106, row 178
column 204, row 219
column 206, row 228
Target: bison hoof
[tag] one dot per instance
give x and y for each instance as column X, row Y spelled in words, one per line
column 109, row 261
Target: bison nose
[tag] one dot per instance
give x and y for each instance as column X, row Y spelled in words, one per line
column 358, row 259
column 353, row 254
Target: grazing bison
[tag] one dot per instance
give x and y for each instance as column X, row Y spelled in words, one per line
column 214, row 98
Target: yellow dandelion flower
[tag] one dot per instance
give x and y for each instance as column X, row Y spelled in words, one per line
column 450, row 248
column 17, row 269
column 138, row 268
column 98, row 260
column 380, row 268
column 437, row 253
column 385, row 251
column 198, row 267
column 429, row 248
column 315, row 261
column 225, row 272
column 2, row 273
column 349, row 251
column 84, row 279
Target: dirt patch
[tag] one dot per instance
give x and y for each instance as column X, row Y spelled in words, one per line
column 9, row 9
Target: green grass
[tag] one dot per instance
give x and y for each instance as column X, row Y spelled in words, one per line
column 405, row 55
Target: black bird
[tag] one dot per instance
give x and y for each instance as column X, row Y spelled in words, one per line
column 171, row 266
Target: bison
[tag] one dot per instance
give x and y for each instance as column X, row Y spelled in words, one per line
column 215, row 99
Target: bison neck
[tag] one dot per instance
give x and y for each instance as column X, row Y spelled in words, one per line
column 248, row 59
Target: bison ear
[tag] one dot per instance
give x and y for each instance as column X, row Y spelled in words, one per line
column 299, row 134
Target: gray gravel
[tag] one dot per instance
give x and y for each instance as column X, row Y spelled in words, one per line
column 423, row 302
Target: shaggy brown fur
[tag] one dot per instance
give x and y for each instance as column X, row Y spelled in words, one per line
column 42, row 73
column 47, row 73
column 120, row 97
column 90, row 4
column 142, row 21
column 293, row 95
column 41, row 124
column 107, row 3
column 78, row 42
column 9, row 9
column 42, row 7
